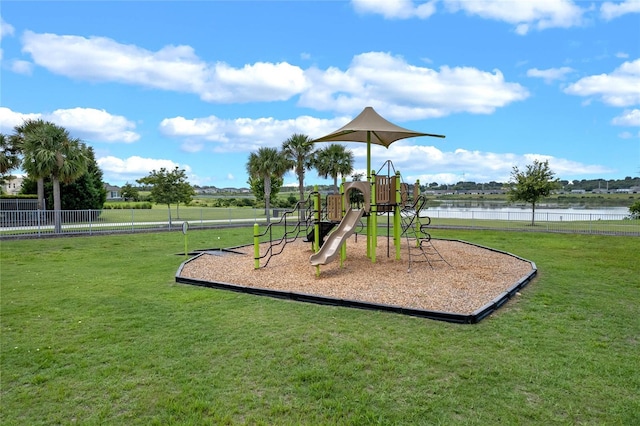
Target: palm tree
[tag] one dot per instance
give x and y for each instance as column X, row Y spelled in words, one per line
column 298, row 149
column 17, row 140
column 334, row 160
column 266, row 164
column 50, row 151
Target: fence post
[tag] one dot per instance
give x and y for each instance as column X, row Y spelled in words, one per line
column 39, row 222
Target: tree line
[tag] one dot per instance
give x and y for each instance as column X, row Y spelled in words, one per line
column 63, row 172
column 56, row 163
column 267, row 165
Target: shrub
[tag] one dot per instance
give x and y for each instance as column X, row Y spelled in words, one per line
column 244, row 202
column 128, row 206
column 634, row 210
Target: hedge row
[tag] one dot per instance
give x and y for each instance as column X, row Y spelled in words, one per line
column 127, row 206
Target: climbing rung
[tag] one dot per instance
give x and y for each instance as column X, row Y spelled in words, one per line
column 426, row 238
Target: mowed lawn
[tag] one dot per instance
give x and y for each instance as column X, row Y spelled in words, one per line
column 96, row 331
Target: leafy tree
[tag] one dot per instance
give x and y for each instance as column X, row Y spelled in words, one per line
column 169, row 187
column 266, row 164
column 257, row 187
column 49, row 151
column 634, row 210
column 533, row 184
column 87, row 192
column 299, row 150
column 130, row 192
column 9, row 158
column 334, row 160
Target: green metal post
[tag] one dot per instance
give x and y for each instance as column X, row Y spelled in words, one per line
column 256, row 246
column 369, row 221
column 418, row 225
column 396, row 217
column 316, row 222
column 343, row 203
column 316, row 226
column 374, row 218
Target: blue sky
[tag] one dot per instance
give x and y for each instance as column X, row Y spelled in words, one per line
column 201, row 84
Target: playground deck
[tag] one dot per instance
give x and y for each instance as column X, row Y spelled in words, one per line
column 475, row 276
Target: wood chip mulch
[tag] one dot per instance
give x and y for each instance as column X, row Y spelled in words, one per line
column 470, row 278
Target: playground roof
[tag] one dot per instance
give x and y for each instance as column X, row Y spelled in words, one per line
column 370, row 127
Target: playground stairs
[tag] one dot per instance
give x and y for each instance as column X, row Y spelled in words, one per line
column 415, row 229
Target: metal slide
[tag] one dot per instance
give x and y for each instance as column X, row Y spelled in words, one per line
column 330, row 248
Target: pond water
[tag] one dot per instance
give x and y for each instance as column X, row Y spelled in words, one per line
column 545, row 212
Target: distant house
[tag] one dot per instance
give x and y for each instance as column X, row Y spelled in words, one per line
column 113, row 192
column 12, row 185
column 207, row 190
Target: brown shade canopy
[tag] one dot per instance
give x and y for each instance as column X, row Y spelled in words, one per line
column 370, row 127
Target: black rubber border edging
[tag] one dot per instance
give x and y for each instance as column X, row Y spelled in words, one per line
column 452, row 317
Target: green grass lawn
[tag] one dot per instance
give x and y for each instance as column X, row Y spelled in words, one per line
column 96, row 331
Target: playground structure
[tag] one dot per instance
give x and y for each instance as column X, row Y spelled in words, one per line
column 382, row 196
column 445, row 294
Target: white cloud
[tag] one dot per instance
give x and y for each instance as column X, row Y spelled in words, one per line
column 258, row 82
column 132, row 168
column 95, row 124
column 175, row 68
column 395, row 9
column 120, row 170
column 628, row 135
column 21, row 67
column 102, row 59
column 83, row 123
column 550, row 74
column 401, row 91
column 230, row 177
column 525, row 15
column 628, row 118
column 10, row 119
column 430, row 164
column 620, row 88
column 243, row 134
column 610, row 10
column 5, row 30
